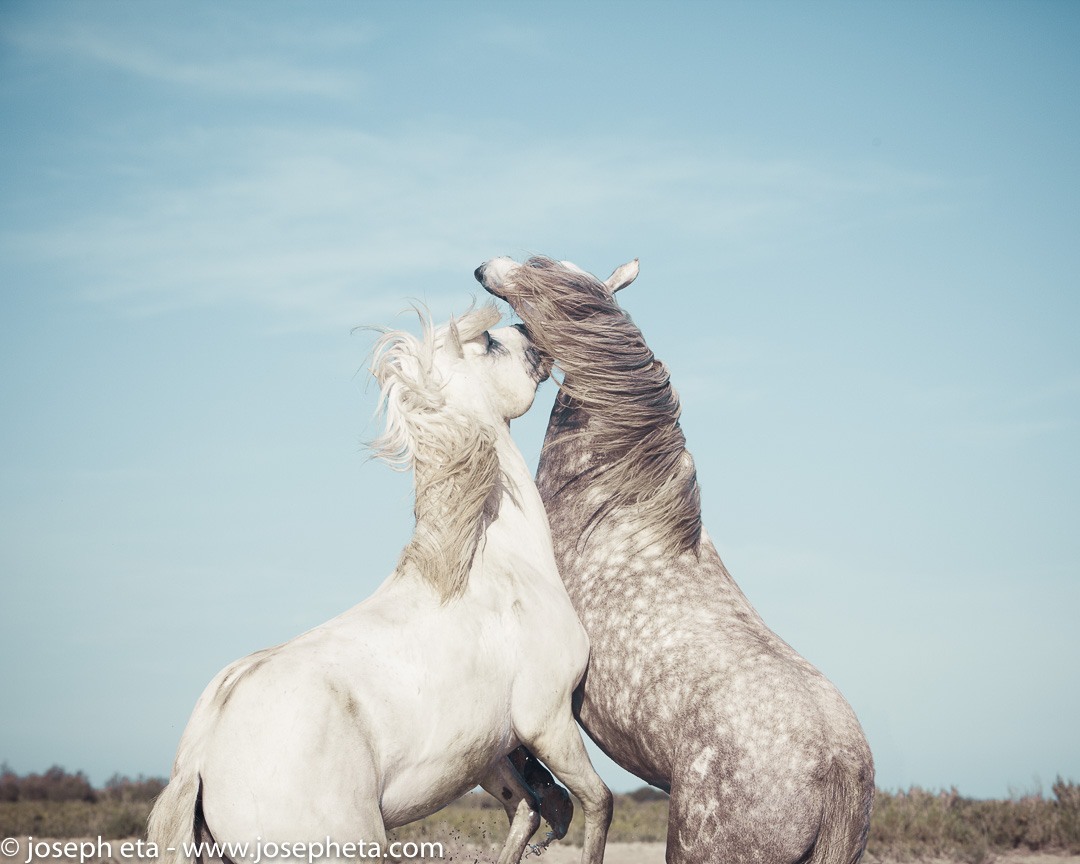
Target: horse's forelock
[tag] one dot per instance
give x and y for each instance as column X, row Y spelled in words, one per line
column 563, row 292
column 409, row 380
column 476, row 321
column 465, row 328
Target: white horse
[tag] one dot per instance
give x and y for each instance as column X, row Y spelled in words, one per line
column 396, row 707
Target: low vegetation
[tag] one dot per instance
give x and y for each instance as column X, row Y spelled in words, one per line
column 478, row 818
column 907, row 826
column 918, row 824
column 59, row 804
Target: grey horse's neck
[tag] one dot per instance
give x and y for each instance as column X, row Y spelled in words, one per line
column 614, row 440
column 630, row 469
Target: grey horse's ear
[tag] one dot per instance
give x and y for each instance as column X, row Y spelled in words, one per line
column 454, row 342
column 622, row 276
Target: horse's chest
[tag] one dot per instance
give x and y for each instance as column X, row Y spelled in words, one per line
column 628, row 636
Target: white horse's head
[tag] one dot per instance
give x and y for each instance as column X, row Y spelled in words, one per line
column 493, row 374
column 451, row 382
column 446, row 396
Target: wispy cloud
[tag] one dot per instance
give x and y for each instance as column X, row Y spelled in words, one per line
column 320, row 223
column 282, row 61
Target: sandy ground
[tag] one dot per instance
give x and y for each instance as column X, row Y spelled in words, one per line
column 617, row 853
column 653, row 853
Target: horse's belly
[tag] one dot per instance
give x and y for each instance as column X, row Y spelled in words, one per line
column 414, row 795
column 434, row 773
column 629, row 748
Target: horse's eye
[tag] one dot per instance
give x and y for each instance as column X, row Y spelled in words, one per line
column 490, row 344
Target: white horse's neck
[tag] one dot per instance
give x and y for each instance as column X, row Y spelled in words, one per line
column 521, row 524
column 446, row 549
column 516, row 474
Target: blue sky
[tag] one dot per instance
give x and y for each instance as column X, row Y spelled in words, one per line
column 857, row 226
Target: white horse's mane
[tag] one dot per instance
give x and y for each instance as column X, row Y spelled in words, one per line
column 453, row 457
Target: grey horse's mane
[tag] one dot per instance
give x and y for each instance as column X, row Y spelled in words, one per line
column 456, row 467
column 615, row 385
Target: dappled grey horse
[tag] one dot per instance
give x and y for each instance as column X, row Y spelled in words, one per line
column 686, row 687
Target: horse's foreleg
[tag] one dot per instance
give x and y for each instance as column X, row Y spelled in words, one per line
column 560, row 746
column 520, row 803
column 555, row 804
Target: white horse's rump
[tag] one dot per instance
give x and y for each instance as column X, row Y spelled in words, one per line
column 394, row 708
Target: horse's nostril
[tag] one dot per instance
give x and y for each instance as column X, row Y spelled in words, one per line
column 479, row 273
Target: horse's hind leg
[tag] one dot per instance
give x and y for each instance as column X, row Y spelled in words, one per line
column 521, row 806
column 560, row 747
column 750, row 823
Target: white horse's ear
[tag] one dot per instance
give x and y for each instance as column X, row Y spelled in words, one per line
column 454, row 342
column 622, row 276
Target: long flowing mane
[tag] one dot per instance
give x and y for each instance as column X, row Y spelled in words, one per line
column 616, row 394
column 455, row 464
